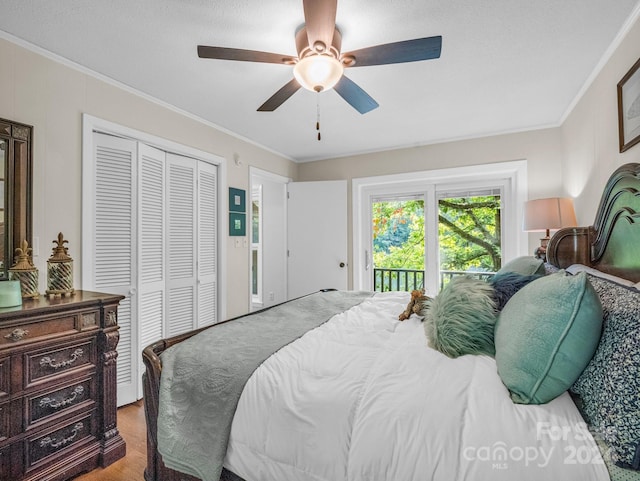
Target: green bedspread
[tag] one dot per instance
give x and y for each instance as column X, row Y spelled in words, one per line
column 203, row 377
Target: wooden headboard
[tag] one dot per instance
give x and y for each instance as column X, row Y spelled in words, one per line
column 612, row 243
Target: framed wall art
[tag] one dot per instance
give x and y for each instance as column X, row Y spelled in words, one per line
column 237, row 200
column 237, row 212
column 629, row 108
column 237, row 224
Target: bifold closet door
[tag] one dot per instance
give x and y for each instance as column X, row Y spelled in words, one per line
column 181, row 244
column 109, row 252
column 150, row 234
column 207, row 244
column 151, row 249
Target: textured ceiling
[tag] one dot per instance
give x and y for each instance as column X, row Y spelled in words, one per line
column 506, row 65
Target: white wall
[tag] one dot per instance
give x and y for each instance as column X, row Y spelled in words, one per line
column 52, row 96
column 590, row 133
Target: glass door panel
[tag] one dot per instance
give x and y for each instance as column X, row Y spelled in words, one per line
column 469, row 234
column 398, row 243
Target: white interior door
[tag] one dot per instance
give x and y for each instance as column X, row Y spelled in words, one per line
column 269, row 241
column 181, row 244
column 207, row 262
column 109, row 222
column 317, row 237
column 151, row 254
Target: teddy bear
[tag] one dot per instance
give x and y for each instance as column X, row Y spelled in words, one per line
column 417, row 303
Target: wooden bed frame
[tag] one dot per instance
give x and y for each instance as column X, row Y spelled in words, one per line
column 611, row 245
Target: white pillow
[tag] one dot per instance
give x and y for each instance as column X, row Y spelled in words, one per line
column 575, row 268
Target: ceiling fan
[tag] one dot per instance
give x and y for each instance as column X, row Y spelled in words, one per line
column 320, row 63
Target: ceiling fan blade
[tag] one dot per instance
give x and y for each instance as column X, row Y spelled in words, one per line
column 277, row 99
column 398, row 52
column 320, row 21
column 354, row 95
column 223, row 53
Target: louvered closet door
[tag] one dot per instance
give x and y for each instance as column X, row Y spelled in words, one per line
column 207, row 246
column 181, row 240
column 112, row 248
column 151, row 249
column 150, row 234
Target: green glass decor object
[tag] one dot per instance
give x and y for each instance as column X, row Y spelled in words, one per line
column 10, row 294
column 60, row 270
column 24, row 271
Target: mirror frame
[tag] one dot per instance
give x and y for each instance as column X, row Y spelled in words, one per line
column 18, row 173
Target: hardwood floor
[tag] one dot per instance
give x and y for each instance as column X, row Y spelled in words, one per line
column 132, row 427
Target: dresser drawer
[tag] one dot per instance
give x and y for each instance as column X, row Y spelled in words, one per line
column 60, row 441
column 42, row 406
column 38, row 330
column 5, row 377
column 45, row 364
column 5, row 463
column 5, row 422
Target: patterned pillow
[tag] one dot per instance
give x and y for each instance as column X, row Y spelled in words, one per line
column 609, row 387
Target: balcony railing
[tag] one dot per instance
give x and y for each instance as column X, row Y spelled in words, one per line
column 410, row 279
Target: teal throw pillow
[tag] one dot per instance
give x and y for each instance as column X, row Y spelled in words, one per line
column 461, row 318
column 525, row 265
column 546, row 335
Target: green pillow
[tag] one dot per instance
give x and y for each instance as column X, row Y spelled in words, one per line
column 546, row 335
column 525, row 265
column 461, row 318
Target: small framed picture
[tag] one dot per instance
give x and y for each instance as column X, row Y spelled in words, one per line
column 237, row 200
column 237, row 224
column 629, row 108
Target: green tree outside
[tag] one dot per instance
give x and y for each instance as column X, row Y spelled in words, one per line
column 469, row 230
column 398, row 234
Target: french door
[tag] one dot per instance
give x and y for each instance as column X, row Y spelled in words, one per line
column 412, row 232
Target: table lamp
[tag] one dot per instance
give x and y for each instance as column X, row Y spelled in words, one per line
column 543, row 215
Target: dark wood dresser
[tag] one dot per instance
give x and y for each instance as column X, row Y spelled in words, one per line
column 58, row 387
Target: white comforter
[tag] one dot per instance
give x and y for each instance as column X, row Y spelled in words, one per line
column 362, row 397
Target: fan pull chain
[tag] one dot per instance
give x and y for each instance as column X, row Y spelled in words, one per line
column 318, row 116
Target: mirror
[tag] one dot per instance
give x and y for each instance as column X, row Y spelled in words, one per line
column 15, row 189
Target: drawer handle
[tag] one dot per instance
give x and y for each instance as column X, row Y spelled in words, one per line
column 47, row 401
column 47, row 361
column 17, row 335
column 62, row 442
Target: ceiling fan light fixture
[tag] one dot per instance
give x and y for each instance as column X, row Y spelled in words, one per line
column 318, row 72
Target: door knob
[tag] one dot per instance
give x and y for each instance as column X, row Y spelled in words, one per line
column 342, row 264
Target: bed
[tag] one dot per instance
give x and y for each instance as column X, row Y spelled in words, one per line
column 354, row 394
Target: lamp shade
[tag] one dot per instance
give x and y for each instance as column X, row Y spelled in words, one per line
column 549, row 213
column 318, row 72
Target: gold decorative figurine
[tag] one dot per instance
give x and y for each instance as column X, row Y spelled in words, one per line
column 24, row 271
column 60, row 270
